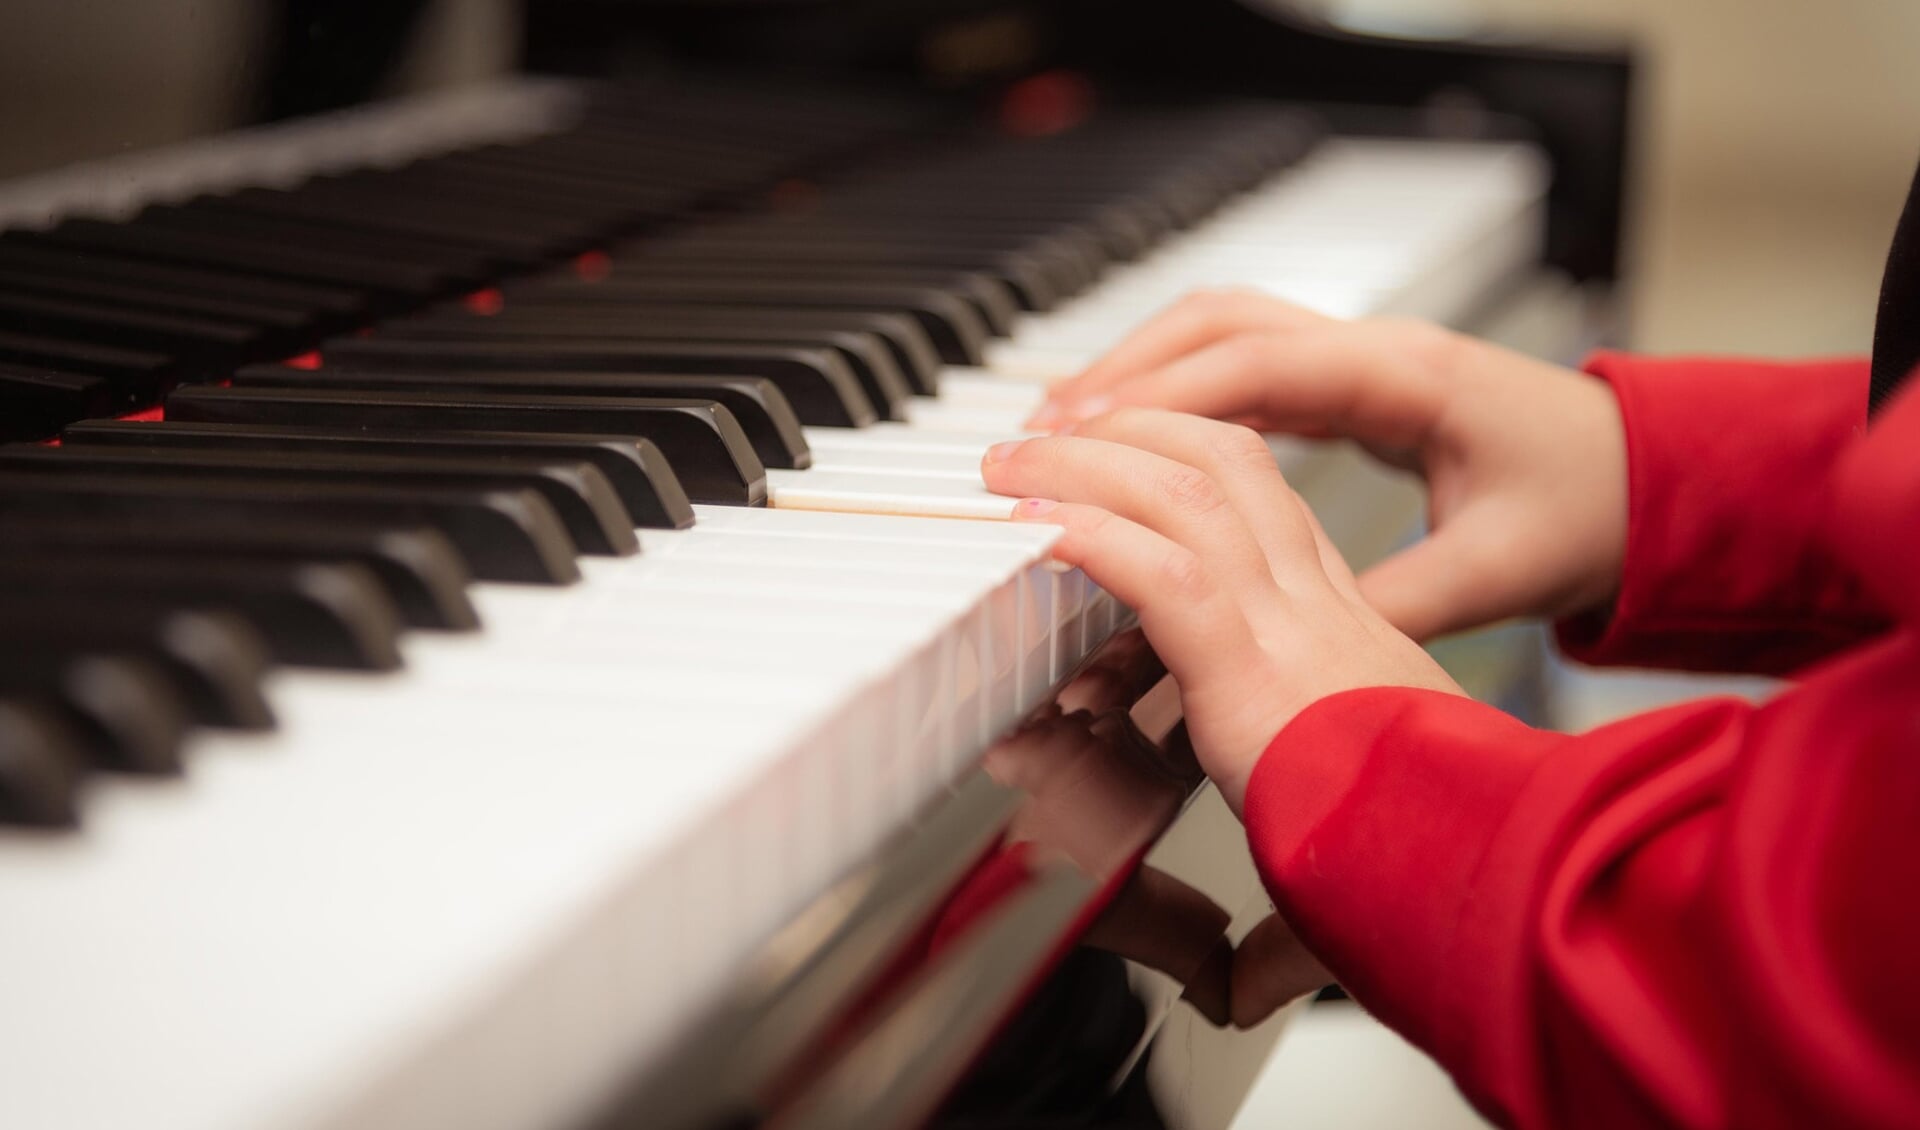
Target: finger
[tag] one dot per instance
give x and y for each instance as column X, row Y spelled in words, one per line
column 1241, row 463
column 1174, row 499
column 1195, row 625
column 1163, row 923
column 1332, row 561
column 1454, row 578
column 1193, row 322
column 1337, row 378
column 1270, row 968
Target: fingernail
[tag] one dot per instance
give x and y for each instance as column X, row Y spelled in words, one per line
column 1033, row 507
column 1000, row 452
column 1046, row 417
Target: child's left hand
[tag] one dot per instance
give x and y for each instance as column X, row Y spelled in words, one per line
column 1189, row 522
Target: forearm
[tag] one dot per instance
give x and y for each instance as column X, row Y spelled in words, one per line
column 1729, row 478
column 1684, row 919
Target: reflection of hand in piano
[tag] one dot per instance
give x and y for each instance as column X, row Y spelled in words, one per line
column 1100, row 778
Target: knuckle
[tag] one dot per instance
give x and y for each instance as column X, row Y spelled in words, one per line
column 1182, row 576
column 1431, row 347
column 1191, row 490
column 1091, row 522
column 1249, row 353
column 1125, row 420
column 1242, row 448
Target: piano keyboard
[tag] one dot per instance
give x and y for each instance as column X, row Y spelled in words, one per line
column 568, row 632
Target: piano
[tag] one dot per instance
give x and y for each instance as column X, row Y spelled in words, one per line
column 500, row 625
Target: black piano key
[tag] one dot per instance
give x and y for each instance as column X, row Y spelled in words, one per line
column 1038, row 280
column 565, row 222
column 315, row 615
column 457, row 175
column 36, row 403
column 912, row 350
column 282, row 328
column 461, row 265
column 701, row 439
column 136, row 376
column 1081, row 248
column 636, row 467
column 614, row 201
column 388, row 284
column 1123, row 223
column 344, row 201
column 868, row 357
column 955, row 329
column 549, row 191
column 510, row 246
column 123, row 709
column 215, row 660
column 578, row 493
column 763, row 413
column 207, row 341
column 327, row 306
column 1135, row 226
column 992, row 301
column 816, row 382
column 421, row 570
column 504, row 535
column 587, row 165
column 570, row 207
column 40, row 768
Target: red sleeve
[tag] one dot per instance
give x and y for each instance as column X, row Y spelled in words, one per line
column 1729, row 466
column 1700, row 917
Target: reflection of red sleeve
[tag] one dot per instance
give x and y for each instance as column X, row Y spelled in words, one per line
column 998, row 877
column 1729, row 466
column 1703, row 916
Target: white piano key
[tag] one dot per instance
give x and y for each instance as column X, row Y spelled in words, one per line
column 983, row 390
column 914, row 437
column 975, row 418
column 942, row 464
column 511, row 871
column 886, row 493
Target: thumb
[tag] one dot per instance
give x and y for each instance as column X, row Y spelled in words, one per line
column 1447, row 581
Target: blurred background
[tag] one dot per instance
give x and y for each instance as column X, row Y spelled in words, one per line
column 1775, row 142
column 1776, row 136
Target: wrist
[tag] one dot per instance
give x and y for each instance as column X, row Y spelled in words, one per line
column 1604, row 549
column 1233, row 777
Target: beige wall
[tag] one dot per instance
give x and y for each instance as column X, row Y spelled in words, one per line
column 88, row 77
column 1776, row 140
column 85, row 78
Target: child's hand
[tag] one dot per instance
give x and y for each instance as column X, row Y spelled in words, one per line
column 1525, row 462
column 1189, row 522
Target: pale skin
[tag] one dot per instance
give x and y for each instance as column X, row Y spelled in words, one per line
column 1170, row 499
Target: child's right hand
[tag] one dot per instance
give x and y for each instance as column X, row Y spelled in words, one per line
column 1525, row 462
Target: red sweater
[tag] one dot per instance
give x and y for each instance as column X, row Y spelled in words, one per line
column 1707, row 915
